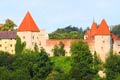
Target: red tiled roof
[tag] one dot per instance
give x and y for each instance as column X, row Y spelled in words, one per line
column 93, row 29
column 114, row 37
column 103, row 28
column 8, row 34
column 28, row 24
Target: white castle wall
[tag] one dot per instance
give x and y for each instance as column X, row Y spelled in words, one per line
column 116, row 47
column 8, row 45
column 32, row 38
column 103, row 45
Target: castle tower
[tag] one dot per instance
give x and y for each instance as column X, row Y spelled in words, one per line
column 91, row 32
column 103, row 40
column 29, row 32
column 93, row 29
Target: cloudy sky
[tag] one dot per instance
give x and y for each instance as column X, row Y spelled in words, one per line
column 53, row 14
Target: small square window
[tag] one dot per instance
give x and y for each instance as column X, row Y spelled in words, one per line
column 11, row 50
column 10, row 45
column 23, row 37
column 33, row 37
column 5, row 47
column 103, row 41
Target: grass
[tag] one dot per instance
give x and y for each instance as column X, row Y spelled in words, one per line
column 62, row 62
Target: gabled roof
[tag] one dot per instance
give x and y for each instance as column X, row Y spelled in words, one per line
column 103, row 28
column 28, row 24
column 93, row 29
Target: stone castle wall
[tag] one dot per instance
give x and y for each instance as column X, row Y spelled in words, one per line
column 8, row 45
column 102, row 45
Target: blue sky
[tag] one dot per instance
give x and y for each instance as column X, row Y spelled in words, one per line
column 53, row 14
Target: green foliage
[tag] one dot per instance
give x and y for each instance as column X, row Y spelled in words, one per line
column 82, row 61
column 36, row 49
column 9, row 25
column 112, row 67
column 63, row 63
column 27, row 66
column 69, row 29
column 97, row 64
column 20, row 46
column 5, row 74
column 68, row 32
column 116, row 30
column 38, row 65
column 59, row 50
column 62, row 66
column 6, row 60
column 97, row 77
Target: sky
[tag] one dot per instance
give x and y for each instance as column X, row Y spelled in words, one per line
column 53, row 14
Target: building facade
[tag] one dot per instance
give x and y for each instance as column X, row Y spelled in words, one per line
column 8, row 41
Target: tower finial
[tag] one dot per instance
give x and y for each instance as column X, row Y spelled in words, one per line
column 93, row 19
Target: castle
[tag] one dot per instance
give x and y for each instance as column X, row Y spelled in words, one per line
column 99, row 38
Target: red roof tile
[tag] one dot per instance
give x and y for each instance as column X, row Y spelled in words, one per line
column 28, row 24
column 103, row 29
column 93, row 29
column 115, row 37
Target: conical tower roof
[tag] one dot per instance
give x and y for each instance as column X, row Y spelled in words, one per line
column 93, row 28
column 103, row 28
column 28, row 24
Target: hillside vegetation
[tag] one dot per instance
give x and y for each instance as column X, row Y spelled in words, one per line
column 69, row 32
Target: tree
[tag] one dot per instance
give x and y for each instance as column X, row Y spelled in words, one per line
column 36, row 66
column 20, row 46
column 59, row 50
column 6, row 60
column 96, row 62
column 82, row 61
column 69, row 32
column 112, row 67
column 9, row 25
column 36, row 49
column 5, row 74
column 116, row 30
column 42, row 66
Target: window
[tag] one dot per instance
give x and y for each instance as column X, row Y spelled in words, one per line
column 12, row 51
column 32, row 43
column 119, row 52
column 39, row 43
column 0, row 45
column 23, row 37
column 5, row 48
column 33, row 37
column 10, row 45
column 37, row 37
column 103, row 41
column 102, row 48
